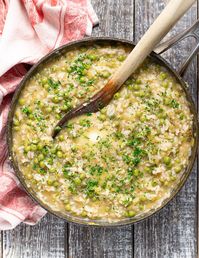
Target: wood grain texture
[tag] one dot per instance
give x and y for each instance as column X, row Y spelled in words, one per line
column 116, row 19
column 45, row 240
column 173, row 231
column 99, row 242
column 1, row 244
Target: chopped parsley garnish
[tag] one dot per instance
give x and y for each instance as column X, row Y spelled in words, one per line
column 42, row 171
column 90, row 187
column 119, row 135
column 96, row 170
column 78, row 66
column 26, row 110
column 174, row 104
column 53, row 84
column 133, row 142
column 85, row 123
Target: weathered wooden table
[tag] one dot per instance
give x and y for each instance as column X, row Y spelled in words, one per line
column 173, row 232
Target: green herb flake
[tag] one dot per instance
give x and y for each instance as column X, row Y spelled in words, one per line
column 174, row 104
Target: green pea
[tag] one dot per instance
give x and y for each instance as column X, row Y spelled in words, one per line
column 36, row 160
column 21, row 102
column 49, row 182
column 39, row 146
column 33, row 147
column 69, row 70
column 167, row 160
column 87, row 66
column 103, row 111
column 173, row 178
column 182, row 116
column 102, row 117
column 121, row 58
column 130, row 87
column 67, row 207
column 105, row 74
column 178, row 169
column 166, row 183
column 154, row 183
column 41, row 104
column 57, row 128
column 55, row 99
column 16, row 122
column 165, row 84
column 141, row 94
column 128, row 82
column 46, row 87
column 147, row 170
column 130, row 213
column 143, row 118
column 44, row 80
column 31, row 116
column 66, row 107
column 141, row 207
column 66, row 201
column 162, row 115
column 27, row 149
column 58, row 117
column 92, row 57
column 48, row 109
column 52, row 170
column 82, row 80
column 138, row 81
column 77, row 181
column 136, row 87
column 163, row 76
column 167, row 101
column 16, row 128
column 41, row 157
column 59, row 154
column 117, row 95
column 136, row 172
column 53, row 150
column 143, row 198
column 56, row 184
column 61, row 138
column 29, row 176
column 50, row 161
column 161, row 121
column 82, row 176
column 42, row 164
column 84, row 214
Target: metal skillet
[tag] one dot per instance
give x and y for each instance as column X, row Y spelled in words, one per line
column 191, row 32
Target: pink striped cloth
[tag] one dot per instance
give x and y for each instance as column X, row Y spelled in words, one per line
column 30, row 29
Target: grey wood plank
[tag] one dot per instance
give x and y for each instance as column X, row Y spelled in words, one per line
column 116, row 19
column 1, row 244
column 44, row 240
column 172, row 233
column 100, row 242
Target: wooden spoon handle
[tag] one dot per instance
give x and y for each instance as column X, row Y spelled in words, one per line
column 161, row 26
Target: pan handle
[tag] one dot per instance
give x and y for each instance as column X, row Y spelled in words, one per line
column 193, row 31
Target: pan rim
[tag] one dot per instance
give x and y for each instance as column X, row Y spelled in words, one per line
column 78, row 220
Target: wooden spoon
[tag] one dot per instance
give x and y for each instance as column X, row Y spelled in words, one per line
column 161, row 26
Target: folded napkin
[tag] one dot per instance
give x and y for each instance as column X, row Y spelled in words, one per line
column 29, row 29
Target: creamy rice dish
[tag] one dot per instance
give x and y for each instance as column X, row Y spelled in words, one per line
column 119, row 162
